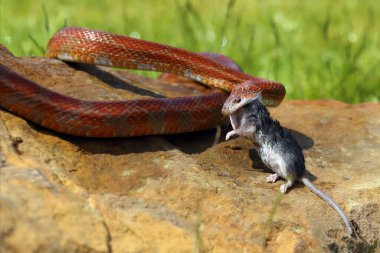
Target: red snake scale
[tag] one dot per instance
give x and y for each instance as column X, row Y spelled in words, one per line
column 131, row 117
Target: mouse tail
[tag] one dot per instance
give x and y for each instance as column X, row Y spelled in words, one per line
column 331, row 202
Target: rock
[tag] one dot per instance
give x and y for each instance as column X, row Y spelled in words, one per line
column 179, row 193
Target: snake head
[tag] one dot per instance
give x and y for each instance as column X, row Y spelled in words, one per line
column 241, row 95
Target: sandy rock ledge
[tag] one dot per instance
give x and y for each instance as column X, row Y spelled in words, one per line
column 179, row 193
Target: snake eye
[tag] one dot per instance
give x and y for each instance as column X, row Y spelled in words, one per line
column 237, row 100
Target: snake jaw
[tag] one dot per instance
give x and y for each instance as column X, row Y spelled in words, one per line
column 243, row 94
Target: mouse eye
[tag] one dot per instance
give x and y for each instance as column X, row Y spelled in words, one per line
column 237, row 100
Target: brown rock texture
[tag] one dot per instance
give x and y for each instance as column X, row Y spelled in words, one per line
column 180, row 193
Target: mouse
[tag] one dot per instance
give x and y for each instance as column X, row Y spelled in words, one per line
column 275, row 145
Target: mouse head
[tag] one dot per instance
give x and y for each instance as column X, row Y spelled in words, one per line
column 242, row 94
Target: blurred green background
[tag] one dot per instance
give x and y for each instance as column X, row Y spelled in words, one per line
column 318, row 49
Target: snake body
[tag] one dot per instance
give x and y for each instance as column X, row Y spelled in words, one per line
column 132, row 117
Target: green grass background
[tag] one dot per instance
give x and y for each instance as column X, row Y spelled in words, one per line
column 318, row 49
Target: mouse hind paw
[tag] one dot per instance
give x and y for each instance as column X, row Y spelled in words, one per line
column 272, row 178
column 231, row 134
column 284, row 188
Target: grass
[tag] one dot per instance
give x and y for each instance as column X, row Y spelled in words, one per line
column 318, row 49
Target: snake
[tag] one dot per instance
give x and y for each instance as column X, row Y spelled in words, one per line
column 124, row 118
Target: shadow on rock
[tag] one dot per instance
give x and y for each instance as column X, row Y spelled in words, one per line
column 197, row 142
column 112, row 80
column 303, row 140
column 189, row 143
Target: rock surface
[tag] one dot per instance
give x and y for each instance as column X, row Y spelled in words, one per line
column 180, row 193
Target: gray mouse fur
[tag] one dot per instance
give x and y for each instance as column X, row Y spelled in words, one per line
column 278, row 150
